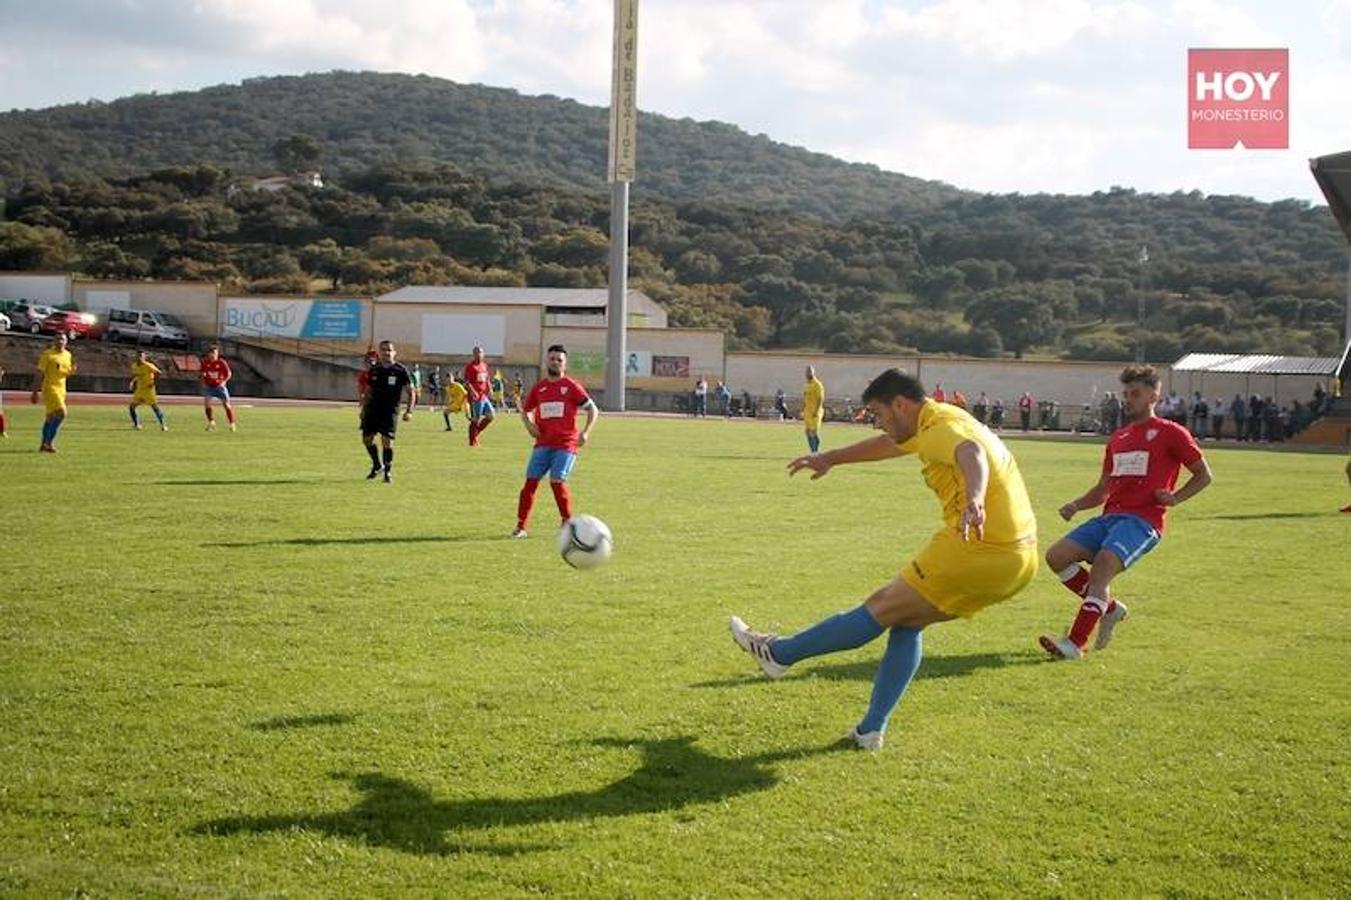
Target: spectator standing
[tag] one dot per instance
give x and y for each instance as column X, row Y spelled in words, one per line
column 1200, row 415
column 781, row 403
column 939, row 395
column 982, row 408
column 959, row 400
column 1217, row 420
column 997, row 414
column 1025, row 403
column 1255, row 410
column 725, row 399
column 1238, row 410
column 701, row 397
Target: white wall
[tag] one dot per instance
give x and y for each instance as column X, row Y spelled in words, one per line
column 53, row 289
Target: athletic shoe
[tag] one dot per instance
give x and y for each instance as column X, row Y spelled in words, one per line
column 518, row 533
column 375, row 470
column 46, row 448
column 1107, row 624
column 1061, row 647
column 757, row 645
column 871, row 741
column 210, row 426
column 1347, row 508
column 388, row 476
column 164, row 428
column 232, row 426
column 136, row 428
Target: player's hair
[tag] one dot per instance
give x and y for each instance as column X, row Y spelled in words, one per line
column 558, row 348
column 891, row 384
column 210, row 347
column 1140, row 374
column 382, row 343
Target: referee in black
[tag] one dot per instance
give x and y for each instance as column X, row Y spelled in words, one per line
column 380, row 413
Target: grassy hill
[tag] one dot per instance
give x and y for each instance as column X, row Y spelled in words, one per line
column 361, row 119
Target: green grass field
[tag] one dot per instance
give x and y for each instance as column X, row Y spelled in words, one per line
column 231, row 666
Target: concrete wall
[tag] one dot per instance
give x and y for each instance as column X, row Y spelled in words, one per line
column 705, row 348
column 846, row 376
column 51, row 288
column 402, row 324
column 192, row 301
column 294, row 376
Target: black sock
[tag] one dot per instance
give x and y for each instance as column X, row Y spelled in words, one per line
column 375, row 455
column 389, row 458
column 446, row 417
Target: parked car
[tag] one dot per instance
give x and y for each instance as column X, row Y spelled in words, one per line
column 144, row 326
column 4, row 322
column 72, row 323
column 26, row 316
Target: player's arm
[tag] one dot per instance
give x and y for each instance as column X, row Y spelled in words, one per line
column 592, row 414
column 409, row 400
column 1090, row 500
column 1199, row 481
column 870, row 450
column 530, row 425
column 975, row 468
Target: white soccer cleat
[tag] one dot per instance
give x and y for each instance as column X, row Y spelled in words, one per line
column 1107, row 624
column 757, row 645
column 232, row 427
column 518, row 533
column 210, row 426
column 871, row 741
column 1061, row 647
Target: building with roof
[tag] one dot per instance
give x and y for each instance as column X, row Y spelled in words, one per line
column 1285, row 378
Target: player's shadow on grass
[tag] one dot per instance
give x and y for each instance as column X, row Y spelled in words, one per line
column 285, row 723
column 954, row 666
column 374, row 539
column 402, row 816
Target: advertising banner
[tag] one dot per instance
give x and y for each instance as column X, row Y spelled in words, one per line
column 316, row 319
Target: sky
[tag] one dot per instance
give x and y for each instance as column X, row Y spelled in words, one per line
column 1058, row 96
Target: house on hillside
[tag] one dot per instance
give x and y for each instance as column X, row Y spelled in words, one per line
column 273, row 183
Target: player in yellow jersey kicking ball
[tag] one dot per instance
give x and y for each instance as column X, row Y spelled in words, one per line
column 986, row 551
column 143, row 375
column 55, row 365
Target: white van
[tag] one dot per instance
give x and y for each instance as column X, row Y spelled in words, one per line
column 143, row 326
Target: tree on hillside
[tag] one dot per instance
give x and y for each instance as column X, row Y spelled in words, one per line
column 297, row 153
column 1020, row 321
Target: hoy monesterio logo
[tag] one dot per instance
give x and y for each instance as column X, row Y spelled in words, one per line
column 1238, row 98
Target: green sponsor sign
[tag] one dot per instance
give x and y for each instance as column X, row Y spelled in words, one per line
column 586, row 362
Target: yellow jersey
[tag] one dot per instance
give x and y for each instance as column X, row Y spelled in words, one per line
column 456, row 394
column 56, row 366
column 144, row 374
column 813, row 401
column 942, row 429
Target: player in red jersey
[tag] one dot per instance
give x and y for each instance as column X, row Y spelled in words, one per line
column 479, row 381
column 215, row 376
column 549, row 412
column 1139, row 471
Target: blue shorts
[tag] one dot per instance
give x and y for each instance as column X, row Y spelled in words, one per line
column 220, row 392
column 557, row 463
column 481, row 409
column 1128, row 537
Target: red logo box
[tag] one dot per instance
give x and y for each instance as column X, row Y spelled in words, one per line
column 1238, row 97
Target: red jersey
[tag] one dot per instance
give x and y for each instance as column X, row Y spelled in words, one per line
column 1142, row 458
column 555, row 405
column 477, row 379
column 215, row 372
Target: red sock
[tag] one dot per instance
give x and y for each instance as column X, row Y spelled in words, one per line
column 1089, row 614
column 1076, row 579
column 526, row 502
column 562, row 498
column 4, row 425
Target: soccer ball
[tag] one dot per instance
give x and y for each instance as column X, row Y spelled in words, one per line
column 585, row 542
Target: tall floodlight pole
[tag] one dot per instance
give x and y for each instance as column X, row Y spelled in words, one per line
column 1140, row 306
column 622, row 169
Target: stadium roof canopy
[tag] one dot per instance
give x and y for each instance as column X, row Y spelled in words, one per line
column 1258, row 364
column 1333, row 174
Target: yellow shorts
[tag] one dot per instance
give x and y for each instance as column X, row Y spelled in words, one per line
column 55, row 401
column 813, row 424
column 144, row 398
column 961, row 578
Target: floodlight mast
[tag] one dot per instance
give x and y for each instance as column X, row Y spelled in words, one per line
column 622, row 170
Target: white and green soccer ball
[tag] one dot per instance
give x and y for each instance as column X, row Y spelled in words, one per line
column 585, row 542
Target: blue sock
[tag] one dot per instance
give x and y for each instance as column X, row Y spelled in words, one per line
column 48, row 432
column 159, row 413
column 135, row 419
column 814, row 442
column 905, row 648
column 842, row 631
column 56, row 426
